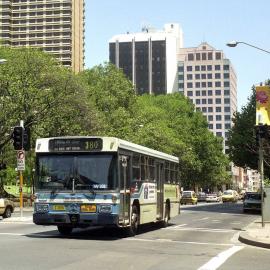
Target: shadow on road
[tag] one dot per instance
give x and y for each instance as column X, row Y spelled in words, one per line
column 98, row 234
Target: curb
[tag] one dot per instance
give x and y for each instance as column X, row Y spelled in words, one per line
column 246, row 239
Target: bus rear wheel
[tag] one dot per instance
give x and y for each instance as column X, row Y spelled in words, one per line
column 132, row 230
column 64, row 230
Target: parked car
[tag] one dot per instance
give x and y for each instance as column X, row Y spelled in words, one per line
column 213, row 197
column 189, row 197
column 201, row 196
column 6, row 207
column 230, row 196
column 252, row 201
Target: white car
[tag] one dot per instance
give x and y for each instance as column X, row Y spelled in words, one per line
column 213, row 197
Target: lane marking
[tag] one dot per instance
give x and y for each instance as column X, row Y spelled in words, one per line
column 175, row 241
column 218, row 260
column 178, row 226
column 205, row 218
column 13, row 234
column 200, row 229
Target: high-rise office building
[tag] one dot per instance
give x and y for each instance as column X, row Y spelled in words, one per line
column 56, row 26
column 209, row 80
column 149, row 58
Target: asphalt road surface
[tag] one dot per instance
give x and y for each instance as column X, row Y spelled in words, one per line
column 202, row 237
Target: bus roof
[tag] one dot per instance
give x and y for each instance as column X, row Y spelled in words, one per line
column 110, row 144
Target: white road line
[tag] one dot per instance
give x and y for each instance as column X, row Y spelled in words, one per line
column 200, row 229
column 178, row 226
column 218, row 260
column 14, row 234
column 235, row 223
column 175, row 241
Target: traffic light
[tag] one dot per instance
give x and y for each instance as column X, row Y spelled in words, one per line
column 18, row 138
column 26, row 139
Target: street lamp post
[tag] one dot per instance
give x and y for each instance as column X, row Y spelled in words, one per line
column 260, row 131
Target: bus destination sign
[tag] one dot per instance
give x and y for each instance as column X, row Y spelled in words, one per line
column 75, row 144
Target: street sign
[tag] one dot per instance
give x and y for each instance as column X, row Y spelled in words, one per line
column 20, row 160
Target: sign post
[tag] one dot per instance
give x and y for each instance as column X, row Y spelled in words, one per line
column 21, row 168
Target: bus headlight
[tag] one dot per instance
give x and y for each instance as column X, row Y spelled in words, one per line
column 106, row 208
column 42, row 208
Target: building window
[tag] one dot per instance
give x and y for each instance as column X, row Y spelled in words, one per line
column 197, row 76
column 203, row 68
column 209, row 84
column 227, row 109
column 226, row 84
column 218, row 55
column 189, row 93
column 210, row 117
column 203, row 76
column 210, row 92
column 210, row 56
column 189, row 76
column 226, row 92
column 190, row 57
column 197, row 84
column 209, row 67
column 203, row 56
column 218, row 117
column 227, row 126
column 210, row 109
column 189, row 85
column 203, row 84
column 204, row 101
column 210, row 101
column 218, row 100
column 226, row 67
column 219, row 134
column 204, row 93
column 227, row 117
column 198, row 93
column 226, row 134
column 204, row 109
column 209, row 76
column 197, row 68
column 210, row 126
column 218, row 126
column 218, row 92
column 198, row 56
column 198, row 101
column 218, row 109
column 189, row 68
column 217, row 76
column 226, row 75
column 217, row 84
column 181, row 85
column 226, row 101
column 180, row 77
column 217, row 67
column 181, row 68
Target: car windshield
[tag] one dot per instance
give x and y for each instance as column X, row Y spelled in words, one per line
column 252, row 196
column 227, row 192
column 83, row 172
column 187, row 194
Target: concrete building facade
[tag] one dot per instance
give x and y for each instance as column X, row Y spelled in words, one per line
column 56, row 26
column 149, row 58
column 209, row 80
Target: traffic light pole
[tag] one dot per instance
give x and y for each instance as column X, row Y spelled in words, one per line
column 21, row 183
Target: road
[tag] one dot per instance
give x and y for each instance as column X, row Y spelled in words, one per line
column 202, row 237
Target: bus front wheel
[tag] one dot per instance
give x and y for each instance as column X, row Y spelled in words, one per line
column 64, row 230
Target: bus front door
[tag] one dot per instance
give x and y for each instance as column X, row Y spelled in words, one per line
column 124, row 187
column 160, row 192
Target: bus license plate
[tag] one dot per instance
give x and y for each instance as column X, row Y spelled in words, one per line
column 89, row 208
column 59, row 207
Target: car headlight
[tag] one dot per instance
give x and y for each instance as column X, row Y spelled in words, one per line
column 105, row 208
column 42, row 208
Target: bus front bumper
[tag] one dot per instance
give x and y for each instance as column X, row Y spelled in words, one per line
column 77, row 220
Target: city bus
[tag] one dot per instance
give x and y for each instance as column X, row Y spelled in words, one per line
column 103, row 181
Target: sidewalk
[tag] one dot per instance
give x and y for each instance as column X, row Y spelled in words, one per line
column 256, row 235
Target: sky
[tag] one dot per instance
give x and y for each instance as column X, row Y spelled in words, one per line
column 211, row 21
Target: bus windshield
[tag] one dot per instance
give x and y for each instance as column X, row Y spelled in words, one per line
column 96, row 171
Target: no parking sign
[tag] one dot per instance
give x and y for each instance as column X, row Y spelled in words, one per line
column 20, row 160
